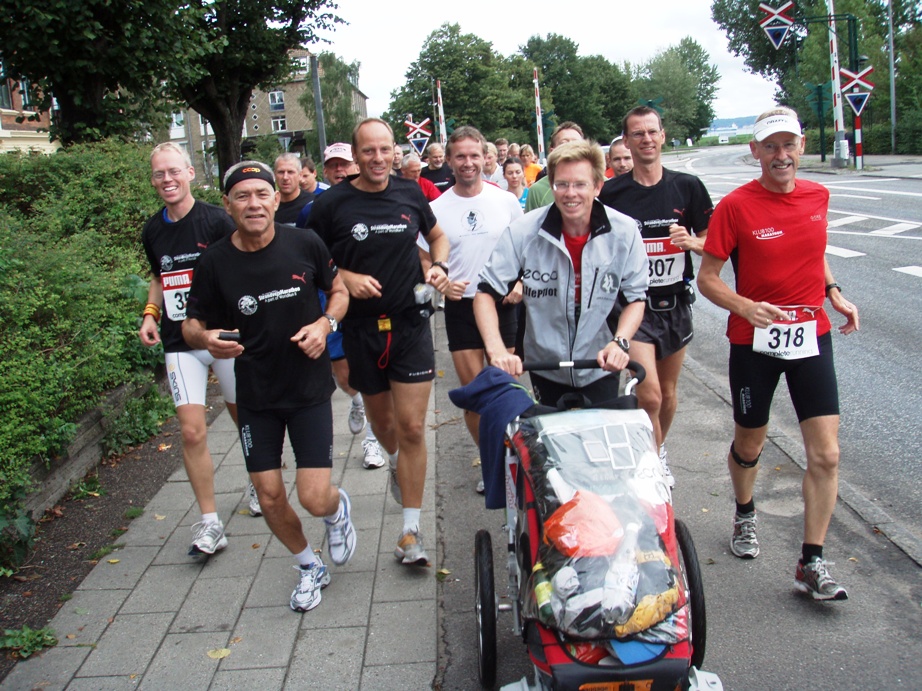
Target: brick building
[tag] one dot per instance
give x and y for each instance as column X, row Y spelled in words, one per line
column 16, row 103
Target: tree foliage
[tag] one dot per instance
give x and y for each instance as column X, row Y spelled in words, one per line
column 337, row 86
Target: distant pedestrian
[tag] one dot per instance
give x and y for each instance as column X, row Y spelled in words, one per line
column 515, row 180
column 436, row 171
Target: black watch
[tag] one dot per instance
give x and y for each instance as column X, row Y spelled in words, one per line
column 334, row 325
column 622, row 343
column 443, row 266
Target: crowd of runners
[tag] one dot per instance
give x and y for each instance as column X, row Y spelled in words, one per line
column 298, row 286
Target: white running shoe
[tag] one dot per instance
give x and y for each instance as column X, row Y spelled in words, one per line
column 253, row 499
column 373, row 456
column 313, row 579
column 207, row 538
column 357, row 417
column 341, row 533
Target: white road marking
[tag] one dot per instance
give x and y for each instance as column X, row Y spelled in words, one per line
column 856, row 196
column 879, row 218
column 866, row 234
column 895, row 229
column 844, row 253
column 911, row 270
column 894, row 192
column 852, row 182
column 846, row 221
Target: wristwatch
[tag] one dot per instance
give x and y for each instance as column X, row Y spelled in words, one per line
column 442, row 265
column 622, row 343
column 334, row 325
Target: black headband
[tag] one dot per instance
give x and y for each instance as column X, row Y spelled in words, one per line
column 248, row 172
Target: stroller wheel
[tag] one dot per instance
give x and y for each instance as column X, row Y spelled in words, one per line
column 695, row 592
column 485, row 608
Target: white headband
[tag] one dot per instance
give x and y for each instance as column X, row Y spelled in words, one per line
column 775, row 123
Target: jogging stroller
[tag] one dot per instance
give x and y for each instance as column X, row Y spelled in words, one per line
column 603, row 582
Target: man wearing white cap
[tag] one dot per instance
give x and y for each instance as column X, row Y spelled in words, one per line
column 775, row 230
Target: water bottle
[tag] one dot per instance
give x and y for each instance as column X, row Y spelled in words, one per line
column 620, row 589
column 422, row 294
column 542, row 589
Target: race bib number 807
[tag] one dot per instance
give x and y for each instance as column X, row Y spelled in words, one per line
column 666, row 262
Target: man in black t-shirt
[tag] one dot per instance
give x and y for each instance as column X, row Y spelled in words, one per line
column 436, row 171
column 673, row 209
column 254, row 299
column 287, row 171
column 370, row 224
column 173, row 238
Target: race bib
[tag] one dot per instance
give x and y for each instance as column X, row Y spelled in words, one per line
column 667, row 262
column 788, row 340
column 176, row 286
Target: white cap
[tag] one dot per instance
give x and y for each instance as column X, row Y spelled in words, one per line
column 774, row 124
column 338, row 150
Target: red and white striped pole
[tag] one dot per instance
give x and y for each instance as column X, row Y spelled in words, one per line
column 443, row 135
column 539, row 124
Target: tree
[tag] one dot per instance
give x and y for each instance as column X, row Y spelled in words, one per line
column 103, row 61
column 255, row 37
column 665, row 76
column 338, row 82
column 695, row 59
column 475, row 83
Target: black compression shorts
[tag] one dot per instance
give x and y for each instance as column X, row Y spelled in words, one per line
column 461, row 327
column 754, row 378
column 310, row 429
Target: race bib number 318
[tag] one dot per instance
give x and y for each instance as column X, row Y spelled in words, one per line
column 176, row 286
column 787, row 340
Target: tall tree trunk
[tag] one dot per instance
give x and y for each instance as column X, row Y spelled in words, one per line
column 226, row 116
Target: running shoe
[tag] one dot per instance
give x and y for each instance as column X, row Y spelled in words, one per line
column 395, row 486
column 480, row 486
column 744, row 543
column 341, row 533
column 357, row 417
column 813, row 578
column 313, row 579
column 410, row 549
column 255, row 509
column 372, row 455
column 207, row 538
column 667, row 473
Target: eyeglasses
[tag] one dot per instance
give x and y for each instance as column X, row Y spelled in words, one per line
column 174, row 173
column 575, row 186
column 638, row 136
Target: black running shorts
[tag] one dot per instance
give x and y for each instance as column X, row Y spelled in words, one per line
column 461, row 327
column 310, row 429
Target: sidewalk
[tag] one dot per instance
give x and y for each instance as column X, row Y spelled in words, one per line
column 148, row 614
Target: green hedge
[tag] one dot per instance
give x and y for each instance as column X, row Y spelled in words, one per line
column 70, row 294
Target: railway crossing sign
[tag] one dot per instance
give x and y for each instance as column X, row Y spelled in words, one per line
column 856, row 79
column 857, row 100
column 777, row 22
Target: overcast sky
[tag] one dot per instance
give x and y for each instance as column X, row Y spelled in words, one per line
column 385, row 42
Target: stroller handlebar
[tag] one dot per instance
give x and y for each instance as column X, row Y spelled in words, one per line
column 639, row 372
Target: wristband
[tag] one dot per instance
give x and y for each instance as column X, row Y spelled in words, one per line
column 153, row 311
column 831, row 286
column 443, row 266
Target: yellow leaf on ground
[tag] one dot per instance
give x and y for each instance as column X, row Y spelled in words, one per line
column 705, row 510
column 219, row 653
column 164, row 447
column 256, row 545
column 441, row 373
column 158, row 517
column 114, row 561
column 475, row 462
column 71, row 636
column 236, row 639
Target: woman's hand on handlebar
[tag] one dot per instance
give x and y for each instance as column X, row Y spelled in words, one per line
column 507, row 362
column 612, row 358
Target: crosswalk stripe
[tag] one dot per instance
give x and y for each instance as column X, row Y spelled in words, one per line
column 841, row 252
column 845, row 221
column 911, row 270
column 895, row 229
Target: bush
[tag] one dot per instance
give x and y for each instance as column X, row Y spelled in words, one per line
column 71, row 292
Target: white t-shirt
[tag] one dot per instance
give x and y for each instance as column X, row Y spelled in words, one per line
column 473, row 226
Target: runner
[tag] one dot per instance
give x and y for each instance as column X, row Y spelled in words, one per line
column 619, row 158
column 261, row 284
column 673, row 209
column 774, row 228
column 540, row 193
column 287, row 171
column 371, row 225
column 436, row 171
column 173, row 240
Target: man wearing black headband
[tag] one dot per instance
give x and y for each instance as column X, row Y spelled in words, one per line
column 775, row 230
column 261, row 284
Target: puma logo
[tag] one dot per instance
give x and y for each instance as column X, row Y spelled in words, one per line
column 405, row 217
column 202, row 245
column 295, row 277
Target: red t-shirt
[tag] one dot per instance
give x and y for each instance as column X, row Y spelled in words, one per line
column 777, row 244
column 575, row 248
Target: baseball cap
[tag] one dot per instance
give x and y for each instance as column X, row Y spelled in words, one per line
column 774, row 124
column 338, row 150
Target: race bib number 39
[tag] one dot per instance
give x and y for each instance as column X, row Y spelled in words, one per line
column 176, row 286
column 666, row 261
column 787, row 340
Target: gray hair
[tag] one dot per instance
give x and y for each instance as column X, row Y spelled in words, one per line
column 410, row 158
column 287, row 156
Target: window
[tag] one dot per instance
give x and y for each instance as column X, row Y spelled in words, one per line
column 6, row 100
column 304, row 64
column 179, row 120
column 279, row 123
column 26, row 93
column 276, row 100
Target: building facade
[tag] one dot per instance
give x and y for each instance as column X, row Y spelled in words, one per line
column 18, row 129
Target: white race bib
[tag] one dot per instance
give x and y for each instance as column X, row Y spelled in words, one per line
column 176, row 286
column 788, row 340
column 666, row 261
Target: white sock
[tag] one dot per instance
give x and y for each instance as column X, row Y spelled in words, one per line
column 411, row 520
column 357, row 399
column 306, row 557
column 336, row 515
column 210, row 518
column 391, row 457
column 369, row 435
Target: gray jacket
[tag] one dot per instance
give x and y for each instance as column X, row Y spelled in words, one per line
column 613, row 261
